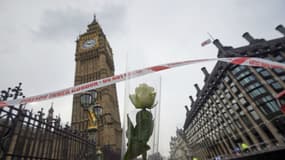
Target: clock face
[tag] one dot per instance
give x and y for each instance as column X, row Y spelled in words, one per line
column 89, row 43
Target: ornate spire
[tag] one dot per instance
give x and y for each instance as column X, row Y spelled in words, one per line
column 94, row 19
column 92, row 25
column 50, row 111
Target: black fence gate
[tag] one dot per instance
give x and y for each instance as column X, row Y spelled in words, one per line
column 25, row 135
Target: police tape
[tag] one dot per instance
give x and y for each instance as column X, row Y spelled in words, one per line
column 249, row 61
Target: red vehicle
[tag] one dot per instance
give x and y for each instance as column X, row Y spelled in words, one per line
column 280, row 97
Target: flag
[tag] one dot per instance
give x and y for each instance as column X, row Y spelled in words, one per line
column 208, row 41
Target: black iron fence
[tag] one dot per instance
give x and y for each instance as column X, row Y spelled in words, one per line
column 25, row 135
column 28, row 135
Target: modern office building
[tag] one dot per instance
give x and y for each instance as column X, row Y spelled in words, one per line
column 237, row 113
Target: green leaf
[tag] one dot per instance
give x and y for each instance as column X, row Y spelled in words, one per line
column 130, row 129
column 139, row 135
column 135, row 149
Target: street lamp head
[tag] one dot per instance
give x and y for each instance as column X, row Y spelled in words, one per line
column 98, row 110
column 94, row 95
column 99, row 154
column 86, row 100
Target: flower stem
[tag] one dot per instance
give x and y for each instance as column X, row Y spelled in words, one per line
column 144, row 156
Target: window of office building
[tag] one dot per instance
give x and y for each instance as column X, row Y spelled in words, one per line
column 198, row 115
column 235, row 116
column 268, row 104
column 236, row 107
column 265, row 73
column 240, row 95
column 267, row 132
column 255, row 133
column 263, row 100
column 234, row 89
column 259, row 69
column 219, row 118
column 280, row 124
column 249, row 108
column 228, row 130
column 224, row 100
column 269, row 81
column 233, row 127
column 276, row 86
column 209, row 101
column 253, row 86
column 249, row 140
column 267, row 98
column 257, row 92
column 238, row 69
column 209, row 114
column 246, row 121
column 206, row 104
column 279, row 58
column 218, row 92
column 273, row 106
column 227, row 79
column 228, row 107
column 238, row 124
column 226, row 91
column 278, row 71
column 242, row 75
column 226, row 115
column 269, row 107
column 247, row 80
column 229, row 96
column 243, row 101
column 254, row 115
column 282, row 77
column 220, row 106
column 221, row 86
column 231, row 111
column 214, row 109
column 221, row 96
column 217, row 101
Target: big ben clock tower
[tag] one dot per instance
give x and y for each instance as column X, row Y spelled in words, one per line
column 94, row 60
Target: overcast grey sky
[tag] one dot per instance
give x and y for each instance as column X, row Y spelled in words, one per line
column 37, row 43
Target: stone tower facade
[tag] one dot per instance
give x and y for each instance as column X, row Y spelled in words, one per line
column 94, row 60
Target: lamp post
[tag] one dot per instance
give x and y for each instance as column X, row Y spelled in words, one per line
column 94, row 111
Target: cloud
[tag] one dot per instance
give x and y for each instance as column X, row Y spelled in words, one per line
column 61, row 24
column 113, row 18
column 58, row 24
